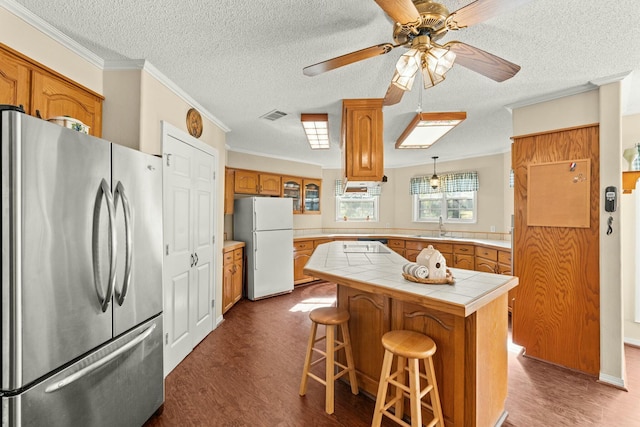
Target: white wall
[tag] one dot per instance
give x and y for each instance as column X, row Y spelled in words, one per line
column 630, row 218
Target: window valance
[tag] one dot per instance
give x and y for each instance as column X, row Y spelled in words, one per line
column 449, row 183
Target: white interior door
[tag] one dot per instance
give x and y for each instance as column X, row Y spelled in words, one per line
column 188, row 277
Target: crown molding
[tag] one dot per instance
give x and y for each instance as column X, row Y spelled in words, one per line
column 52, row 32
column 137, row 64
column 271, row 156
column 587, row 87
column 142, row 64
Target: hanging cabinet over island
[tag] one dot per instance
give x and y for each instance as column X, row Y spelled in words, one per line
column 468, row 322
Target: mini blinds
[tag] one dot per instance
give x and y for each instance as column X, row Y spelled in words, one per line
column 449, row 183
column 371, row 191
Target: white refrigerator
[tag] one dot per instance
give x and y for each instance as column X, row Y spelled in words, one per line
column 265, row 224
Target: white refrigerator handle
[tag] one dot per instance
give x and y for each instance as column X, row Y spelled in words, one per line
column 255, row 251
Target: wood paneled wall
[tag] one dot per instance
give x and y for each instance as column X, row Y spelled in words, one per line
column 556, row 313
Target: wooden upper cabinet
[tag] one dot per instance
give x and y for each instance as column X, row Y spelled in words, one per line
column 362, row 141
column 15, row 81
column 292, row 189
column 44, row 92
column 53, row 97
column 246, row 182
column 269, row 184
column 229, row 180
column 312, row 196
column 252, row 182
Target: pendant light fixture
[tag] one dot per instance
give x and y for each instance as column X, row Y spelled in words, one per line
column 434, row 181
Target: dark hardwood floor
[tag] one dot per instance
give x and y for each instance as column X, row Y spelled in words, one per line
column 247, row 373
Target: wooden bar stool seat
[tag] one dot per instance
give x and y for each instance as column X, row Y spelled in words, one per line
column 331, row 318
column 409, row 347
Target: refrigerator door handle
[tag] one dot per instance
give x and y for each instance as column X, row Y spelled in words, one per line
column 255, row 252
column 101, row 362
column 106, row 192
column 117, row 194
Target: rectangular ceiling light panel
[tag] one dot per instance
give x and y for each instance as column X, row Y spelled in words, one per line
column 316, row 127
column 426, row 128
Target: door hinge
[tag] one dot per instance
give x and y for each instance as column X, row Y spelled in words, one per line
column 166, row 338
column 213, row 240
column 168, row 159
column 167, row 249
column 214, row 176
column 213, row 303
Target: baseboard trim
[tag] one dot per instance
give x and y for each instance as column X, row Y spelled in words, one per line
column 612, row 381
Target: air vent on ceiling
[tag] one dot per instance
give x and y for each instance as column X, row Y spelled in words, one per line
column 273, row 115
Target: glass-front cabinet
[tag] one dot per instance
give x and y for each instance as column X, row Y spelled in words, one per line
column 311, row 196
column 292, row 188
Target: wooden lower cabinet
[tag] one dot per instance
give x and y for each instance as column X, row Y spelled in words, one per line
column 397, row 245
column 463, row 257
column 470, row 361
column 232, row 278
column 302, row 250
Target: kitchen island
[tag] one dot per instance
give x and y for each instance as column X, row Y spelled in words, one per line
column 468, row 321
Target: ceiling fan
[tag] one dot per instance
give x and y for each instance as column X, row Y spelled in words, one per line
column 419, row 24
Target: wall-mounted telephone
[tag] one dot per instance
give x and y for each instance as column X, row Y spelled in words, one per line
column 610, row 199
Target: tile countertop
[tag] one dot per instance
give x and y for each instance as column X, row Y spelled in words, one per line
column 501, row 244
column 382, row 273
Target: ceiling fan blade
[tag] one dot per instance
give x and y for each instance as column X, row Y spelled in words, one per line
column 402, row 11
column 393, row 95
column 481, row 10
column 349, row 58
column 482, row 62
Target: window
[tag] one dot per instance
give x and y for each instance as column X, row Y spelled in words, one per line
column 454, row 199
column 452, row 207
column 356, row 206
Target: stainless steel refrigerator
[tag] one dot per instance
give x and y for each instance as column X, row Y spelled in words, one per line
column 81, row 297
column 265, row 224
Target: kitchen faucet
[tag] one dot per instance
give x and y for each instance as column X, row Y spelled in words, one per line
column 443, row 232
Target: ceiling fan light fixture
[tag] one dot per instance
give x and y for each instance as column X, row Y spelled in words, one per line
column 316, row 128
column 409, row 62
column 427, row 128
column 403, row 82
column 437, row 61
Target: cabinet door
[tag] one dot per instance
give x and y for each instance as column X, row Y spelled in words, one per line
column 246, row 182
column 238, row 274
column 228, row 191
column 292, row 188
column 463, row 261
column 52, row 97
column 227, row 287
column 311, row 196
column 15, row 81
column 269, row 185
column 362, row 139
column 486, row 265
column 300, row 259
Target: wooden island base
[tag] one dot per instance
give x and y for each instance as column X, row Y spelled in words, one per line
column 468, row 322
column 470, row 363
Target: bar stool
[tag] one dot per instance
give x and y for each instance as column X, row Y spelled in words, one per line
column 409, row 347
column 330, row 317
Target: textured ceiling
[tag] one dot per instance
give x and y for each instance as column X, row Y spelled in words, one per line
column 241, row 59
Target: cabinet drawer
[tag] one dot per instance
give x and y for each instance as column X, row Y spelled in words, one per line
column 487, row 253
column 395, row 243
column 237, row 254
column 228, row 257
column 302, row 245
column 504, row 257
column 444, row 248
column 463, row 249
column 415, row 244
